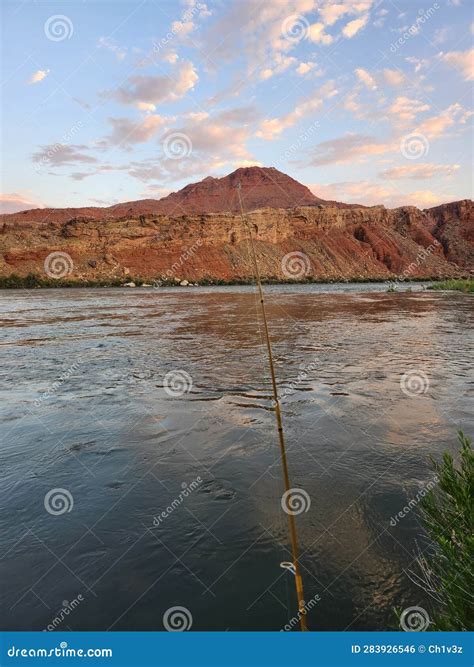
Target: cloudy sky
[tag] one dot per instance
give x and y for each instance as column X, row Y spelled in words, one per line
column 108, row 101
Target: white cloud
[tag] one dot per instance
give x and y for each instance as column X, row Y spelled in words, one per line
column 405, row 109
column 145, row 106
column 350, row 148
column 369, row 193
column 420, row 63
column 332, row 12
column 184, row 26
column 304, row 68
column 38, row 76
column 18, row 201
column 462, row 61
column 366, row 78
column 126, row 132
column 112, row 46
column 441, row 35
column 271, row 129
column 421, row 171
column 353, row 27
column 170, row 57
column 317, row 34
column 58, row 155
column 435, row 126
column 155, row 89
column 280, row 64
column 394, row 77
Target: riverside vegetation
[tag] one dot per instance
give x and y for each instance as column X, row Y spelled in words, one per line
column 33, row 281
column 447, row 513
column 460, row 285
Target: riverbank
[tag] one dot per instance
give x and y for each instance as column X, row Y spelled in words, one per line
column 459, row 285
column 33, row 281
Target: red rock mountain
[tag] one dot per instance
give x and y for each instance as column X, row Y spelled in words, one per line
column 196, row 233
column 261, row 187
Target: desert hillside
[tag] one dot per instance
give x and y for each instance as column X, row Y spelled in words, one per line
column 197, row 234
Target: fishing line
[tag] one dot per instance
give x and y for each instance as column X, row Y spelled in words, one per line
column 281, row 437
column 280, row 521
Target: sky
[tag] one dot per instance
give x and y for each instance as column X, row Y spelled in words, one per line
column 108, row 101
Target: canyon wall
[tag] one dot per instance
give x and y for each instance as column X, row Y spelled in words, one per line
column 330, row 242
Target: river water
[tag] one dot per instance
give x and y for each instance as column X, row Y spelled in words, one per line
column 147, row 414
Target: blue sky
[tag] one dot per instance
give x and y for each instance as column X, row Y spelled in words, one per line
column 364, row 101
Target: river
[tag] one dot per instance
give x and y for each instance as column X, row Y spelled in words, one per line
column 140, row 459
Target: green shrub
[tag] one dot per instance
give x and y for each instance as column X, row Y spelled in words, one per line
column 447, row 515
column 460, row 285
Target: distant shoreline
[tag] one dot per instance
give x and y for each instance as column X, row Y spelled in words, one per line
column 35, row 282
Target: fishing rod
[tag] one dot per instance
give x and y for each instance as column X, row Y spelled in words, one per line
column 281, row 437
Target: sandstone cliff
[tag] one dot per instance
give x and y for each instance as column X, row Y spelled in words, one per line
column 196, row 233
column 336, row 243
